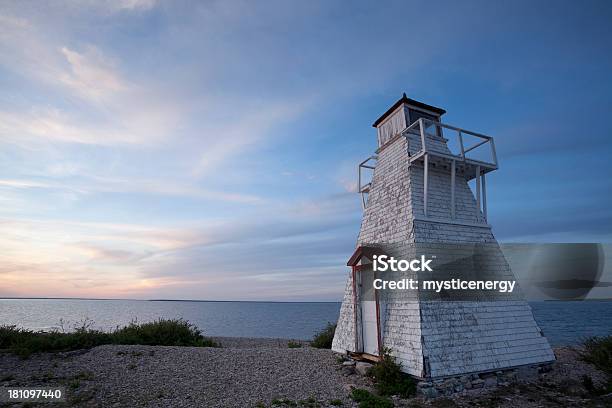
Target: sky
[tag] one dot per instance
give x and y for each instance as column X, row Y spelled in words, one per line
column 208, row 150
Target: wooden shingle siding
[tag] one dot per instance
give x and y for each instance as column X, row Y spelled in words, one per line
column 344, row 338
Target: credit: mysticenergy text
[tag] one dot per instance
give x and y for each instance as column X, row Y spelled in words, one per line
column 384, row 263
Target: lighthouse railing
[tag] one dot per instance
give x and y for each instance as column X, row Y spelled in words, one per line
column 421, row 127
column 479, row 167
column 364, row 188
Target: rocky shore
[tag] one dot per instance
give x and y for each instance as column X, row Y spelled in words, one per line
column 262, row 373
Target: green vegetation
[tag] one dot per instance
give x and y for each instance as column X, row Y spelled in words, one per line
column 294, row 344
column 173, row 332
column 365, row 399
column 598, row 351
column 336, row 402
column 310, row 402
column 324, row 338
column 389, row 378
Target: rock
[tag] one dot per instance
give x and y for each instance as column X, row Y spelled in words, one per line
column 507, row 378
column 490, row 380
column 527, row 374
column 478, row 383
column 424, row 384
column 349, row 363
column 348, row 370
column 362, row 367
column 429, row 392
column 545, row 368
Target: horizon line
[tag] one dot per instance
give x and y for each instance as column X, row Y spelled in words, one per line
column 167, row 300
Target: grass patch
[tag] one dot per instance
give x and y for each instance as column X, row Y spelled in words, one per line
column 366, row 399
column 389, row 378
column 173, row 332
column 598, row 351
column 336, row 402
column 309, row 402
column 84, row 375
column 283, row 402
column 324, row 338
column 294, row 344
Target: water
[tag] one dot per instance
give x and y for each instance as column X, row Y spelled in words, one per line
column 563, row 323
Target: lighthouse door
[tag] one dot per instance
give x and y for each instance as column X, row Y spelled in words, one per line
column 369, row 321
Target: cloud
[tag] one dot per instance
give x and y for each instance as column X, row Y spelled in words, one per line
column 162, row 187
column 130, row 4
column 91, row 74
column 55, row 125
column 283, row 248
column 245, row 129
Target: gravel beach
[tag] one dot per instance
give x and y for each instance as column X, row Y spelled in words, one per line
column 244, row 373
column 255, row 373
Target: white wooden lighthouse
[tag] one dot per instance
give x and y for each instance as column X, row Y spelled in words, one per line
column 419, row 193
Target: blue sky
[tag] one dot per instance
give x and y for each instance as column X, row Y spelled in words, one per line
column 208, row 150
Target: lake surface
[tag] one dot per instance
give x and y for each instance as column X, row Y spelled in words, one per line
column 563, row 323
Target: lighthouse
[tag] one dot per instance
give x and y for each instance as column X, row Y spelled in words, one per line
column 424, row 190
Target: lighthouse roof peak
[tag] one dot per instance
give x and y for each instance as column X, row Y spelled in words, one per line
column 410, row 102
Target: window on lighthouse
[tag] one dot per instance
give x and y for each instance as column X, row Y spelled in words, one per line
column 416, row 115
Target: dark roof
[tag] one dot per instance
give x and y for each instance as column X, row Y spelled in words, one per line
column 362, row 251
column 408, row 101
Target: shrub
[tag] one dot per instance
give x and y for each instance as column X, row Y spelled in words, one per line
column 294, row 344
column 175, row 332
column 24, row 342
column 324, row 338
column 598, row 351
column 389, row 378
column 365, row 399
column 162, row 332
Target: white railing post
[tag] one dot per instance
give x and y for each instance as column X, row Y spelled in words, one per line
column 484, row 197
column 493, row 152
column 425, row 177
column 478, row 189
column 453, row 189
column 422, row 126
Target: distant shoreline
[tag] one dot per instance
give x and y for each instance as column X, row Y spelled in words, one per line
column 171, row 300
column 251, row 301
